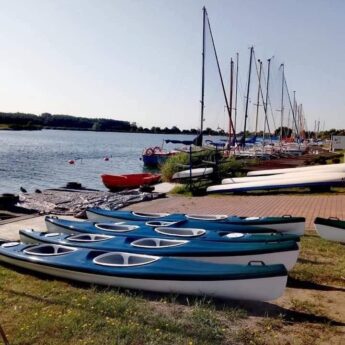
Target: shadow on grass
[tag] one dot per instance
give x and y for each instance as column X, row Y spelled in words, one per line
column 307, row 261
column 304, row 284
column 251, row 308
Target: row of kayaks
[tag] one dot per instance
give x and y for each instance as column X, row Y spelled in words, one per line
column 219, row 256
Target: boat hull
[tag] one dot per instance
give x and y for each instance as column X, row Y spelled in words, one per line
column 331, row 231
column 285, row 224
column 298, row 181
column 261, row 283
column 117, row 182
column 197, row 251
column 193, row 173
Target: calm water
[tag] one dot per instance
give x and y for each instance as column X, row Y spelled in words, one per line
column 39, row 159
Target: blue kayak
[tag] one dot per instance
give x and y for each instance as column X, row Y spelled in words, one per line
column 293, row 225
column 139, row 229
column 285, row 253
column 146, row 272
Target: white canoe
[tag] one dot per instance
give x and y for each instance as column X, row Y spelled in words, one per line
column 330, row 229
column 199, row 172
column 327, row 167
column 301, row 181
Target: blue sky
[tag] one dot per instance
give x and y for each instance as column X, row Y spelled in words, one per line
column 141, row 60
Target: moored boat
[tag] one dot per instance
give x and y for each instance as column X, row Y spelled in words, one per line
column 286, row 223
column 285, row 253
column 147, row 272
column 332, row 229
column 117, row 182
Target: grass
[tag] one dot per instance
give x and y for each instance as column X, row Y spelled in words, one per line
column 39, row 310
column 320, row 262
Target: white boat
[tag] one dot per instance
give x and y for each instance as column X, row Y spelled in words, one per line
column 314, row 181
column 331, row 229
column 254, row 281
column 312, row 168
column 199, row 172
column 290, row 175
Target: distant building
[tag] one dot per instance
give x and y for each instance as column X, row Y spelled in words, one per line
column 338, row 142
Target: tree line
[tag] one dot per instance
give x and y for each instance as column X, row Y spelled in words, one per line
column 25, row 121
column 19, row 121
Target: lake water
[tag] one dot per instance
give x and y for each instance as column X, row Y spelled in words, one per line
column 39, row 159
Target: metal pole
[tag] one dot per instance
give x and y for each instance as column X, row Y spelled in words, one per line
column 230, row 97
column 203, row 72
column 282, row 106
column 266, row 102
column 258, row 99
column 247, row 100
column 237, row 59
column 220, row 73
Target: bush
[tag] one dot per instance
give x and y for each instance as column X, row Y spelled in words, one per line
column 173, row 165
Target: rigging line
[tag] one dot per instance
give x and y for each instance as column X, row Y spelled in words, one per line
column 292, row 110
column 220, row 73
column 262, row 94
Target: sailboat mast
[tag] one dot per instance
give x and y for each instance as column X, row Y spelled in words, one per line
column 282, row 105
column 203, row 73
column 230, row 97
column 266, row 102
column 220, row 73
column 247, row 100
column 295, row 113
column 237, row 59
column 258, row 99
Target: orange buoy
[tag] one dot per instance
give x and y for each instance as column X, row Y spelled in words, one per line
column 71, row 161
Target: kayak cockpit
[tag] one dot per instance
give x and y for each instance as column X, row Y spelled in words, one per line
column 157, row 243
column 49, row 250
column 150, row 215
column 181, row 232
column 89, row 238
column 120, row 259
column 231, row 235
column 156, row 223
column 116, row 227
column 207, row 216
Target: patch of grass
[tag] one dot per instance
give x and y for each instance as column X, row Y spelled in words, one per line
column 40, row 310
column 174, row 164
column 320, row 262
column 181, row 190
column 37, row 310
column 307, row 306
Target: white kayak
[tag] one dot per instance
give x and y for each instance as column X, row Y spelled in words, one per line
column 286, row 176
column 313, row 168
column 199, row 172
column 331, row 229
column 300, row 181
column 255, row 281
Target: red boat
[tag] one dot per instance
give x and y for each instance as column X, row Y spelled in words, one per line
column 116, row 182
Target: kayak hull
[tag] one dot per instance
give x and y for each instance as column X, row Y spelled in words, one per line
column 267, row 284
column 330, row 229
column 285, row 224
column 222, row 253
